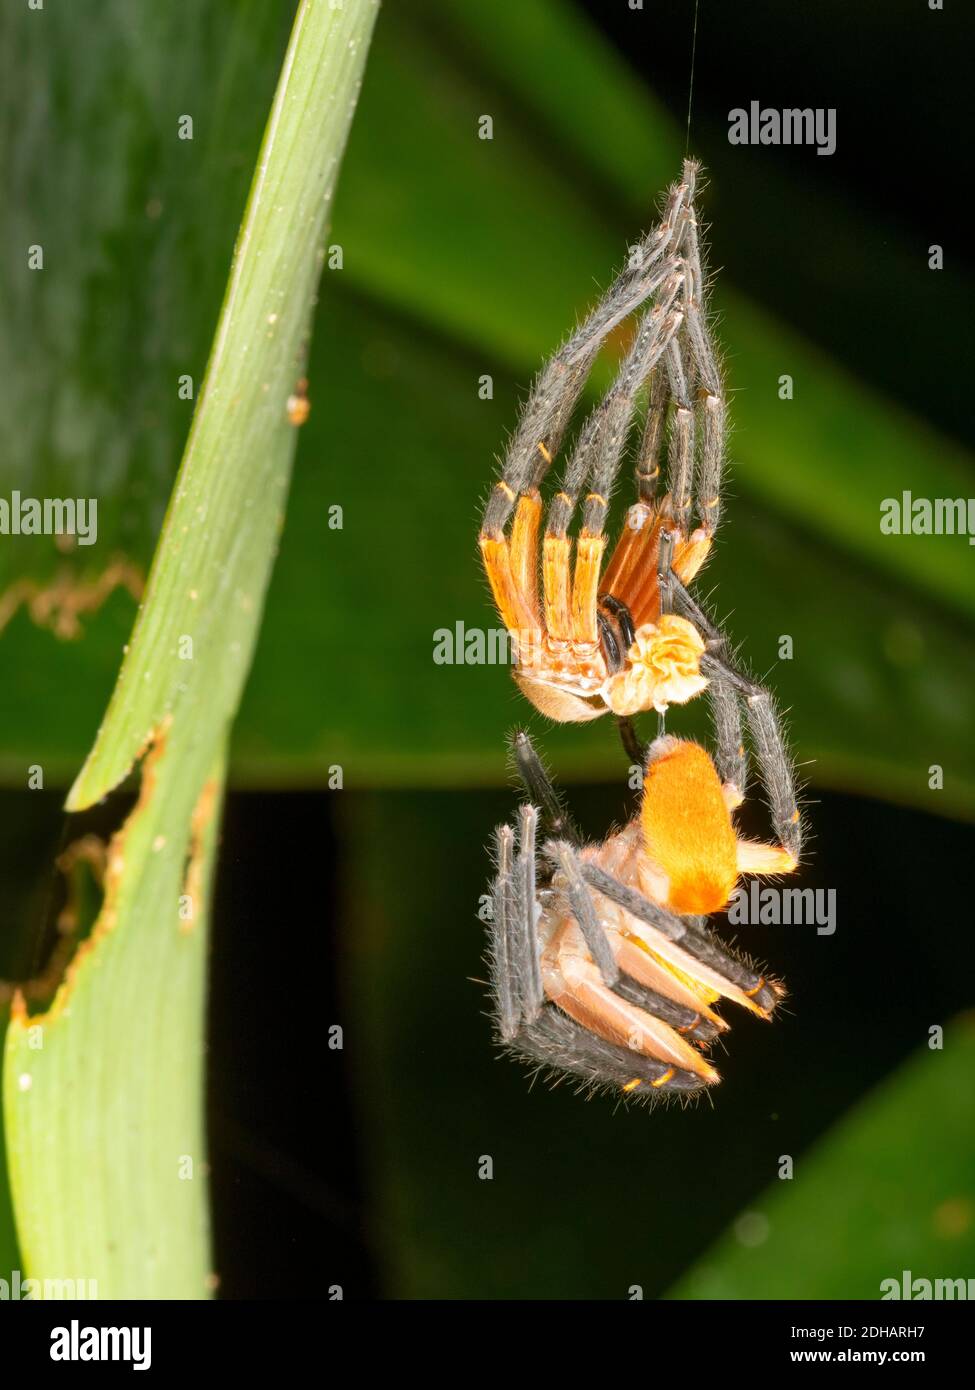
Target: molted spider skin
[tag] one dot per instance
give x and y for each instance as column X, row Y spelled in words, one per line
column 590, row 641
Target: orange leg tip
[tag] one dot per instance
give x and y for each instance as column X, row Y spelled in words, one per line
column 662, row 1080
column 632, row 1085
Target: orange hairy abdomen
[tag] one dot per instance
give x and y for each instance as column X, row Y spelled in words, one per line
column 687, row 829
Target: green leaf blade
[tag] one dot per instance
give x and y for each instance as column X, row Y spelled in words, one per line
column 214, row 561
column 912, row 1136
column 103, row 1093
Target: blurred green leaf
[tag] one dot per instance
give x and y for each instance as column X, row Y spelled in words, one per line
column 135, row 226
column 892, row 1186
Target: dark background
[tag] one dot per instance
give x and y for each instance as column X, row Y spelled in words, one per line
column 899, row 77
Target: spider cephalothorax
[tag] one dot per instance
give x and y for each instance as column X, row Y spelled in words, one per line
column 602, row 966
column 588, row 640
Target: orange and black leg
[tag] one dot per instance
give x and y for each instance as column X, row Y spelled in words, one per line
column 686, row 407
column 549, row 408
column 538, row 438
column 595, row 462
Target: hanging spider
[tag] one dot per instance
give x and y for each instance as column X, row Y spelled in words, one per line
column 596, row 640
column 601, row 965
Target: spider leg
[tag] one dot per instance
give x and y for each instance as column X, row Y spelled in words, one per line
column 583, row 909
column 689, row 370
column 712, row 405
column 764, row 724
column 654, row 337
column 557, row 544
column 596, row 458
column 633, row 746
column 516, row 975
column 549, row 407
column 541, row 789
column 731, row 759
column 528, row 912
column 778, row 776
column 574, row 872
column 657, row 1029
column 682, row 1019
column 686, row 932
column 558, row 1042
column 665, row 572
column 648, row 457
column 680, row 454
column 501, row 926
column 698, row 427
column 705, row 360
column 626, row 574
column 569, row 605
column 545, row 1034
